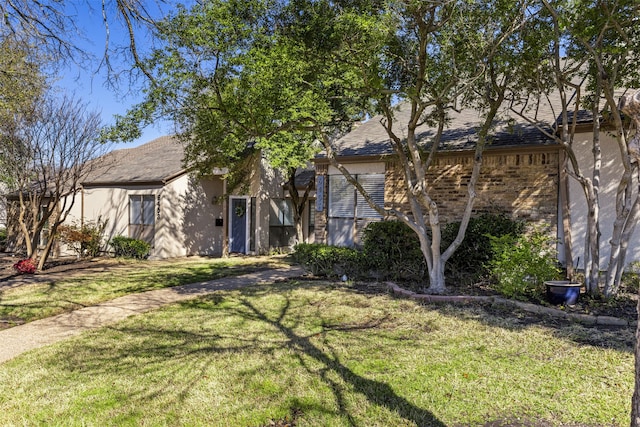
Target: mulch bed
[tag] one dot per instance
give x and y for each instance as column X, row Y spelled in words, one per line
column 624, row 306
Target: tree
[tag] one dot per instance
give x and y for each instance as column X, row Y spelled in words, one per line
column 268, row 72
column 630, row 105
column 45, row 159
column 590, row 57
column 237, row 86
column 442, row 56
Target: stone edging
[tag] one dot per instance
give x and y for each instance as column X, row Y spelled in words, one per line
column 586, row 319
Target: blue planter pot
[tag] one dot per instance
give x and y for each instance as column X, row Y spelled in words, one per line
column 563, row 292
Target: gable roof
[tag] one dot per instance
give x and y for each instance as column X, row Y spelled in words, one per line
column 371, row 139
column 156, row 161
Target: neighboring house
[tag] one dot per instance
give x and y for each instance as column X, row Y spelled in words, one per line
column 145, row 192
column 521, row 176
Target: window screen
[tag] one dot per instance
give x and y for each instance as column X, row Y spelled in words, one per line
column 348, row 210
column 341, row 197
column 374, row 186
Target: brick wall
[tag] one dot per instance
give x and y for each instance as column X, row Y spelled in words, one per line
column 523, row 185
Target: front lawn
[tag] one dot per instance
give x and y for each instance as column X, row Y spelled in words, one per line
column 77, row 289
column 324, row 354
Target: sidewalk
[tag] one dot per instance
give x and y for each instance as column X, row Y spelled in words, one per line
column 39, row 333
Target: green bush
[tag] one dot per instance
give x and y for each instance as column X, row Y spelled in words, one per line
column 631, row 277
column 3, row 238
column 521, row 265
column 128, row 247
column 330, row 261
column 392, row 250
column 473, row 254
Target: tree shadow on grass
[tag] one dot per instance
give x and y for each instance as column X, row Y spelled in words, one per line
column 510, row 317
column 187, row 354
column 376, row 392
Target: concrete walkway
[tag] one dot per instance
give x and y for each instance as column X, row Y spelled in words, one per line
column 19, row 339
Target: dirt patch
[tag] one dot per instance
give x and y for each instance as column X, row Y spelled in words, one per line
column 7, row 322
column 54, row 270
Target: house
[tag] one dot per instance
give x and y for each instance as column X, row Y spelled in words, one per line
column 147, row 193
column 522, row 176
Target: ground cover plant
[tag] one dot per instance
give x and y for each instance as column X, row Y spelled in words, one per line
column 44, row 298
column 318, row 353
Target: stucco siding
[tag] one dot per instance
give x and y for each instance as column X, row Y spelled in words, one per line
column 187, row 224
column 611, row 173
column 266, row 183
column 185, row 214
column 109, row 204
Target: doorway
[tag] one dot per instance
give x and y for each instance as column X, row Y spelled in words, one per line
column 238, row 225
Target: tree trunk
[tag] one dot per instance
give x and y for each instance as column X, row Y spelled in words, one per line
column 635, row 400
column 627, row 208
column 592, row 250
column 436, row 279
column 299, row 230
column 619, row 245
column 299, row 203
column 437, row 284
column 22, row 222
column 592, row 245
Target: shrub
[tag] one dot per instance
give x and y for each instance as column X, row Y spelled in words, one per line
column 392, row 250
column 25, row 266
column 631, row 277
column 128, row 247
column 521, row 265
column 3, row 238
column 330, row 261
column 85, row 239
column 475, row 251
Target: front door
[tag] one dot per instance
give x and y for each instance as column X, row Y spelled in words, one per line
column 238, row 235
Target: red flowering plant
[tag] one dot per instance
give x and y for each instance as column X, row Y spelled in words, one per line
column 25, row 266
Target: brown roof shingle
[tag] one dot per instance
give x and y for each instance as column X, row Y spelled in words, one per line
column 156, row 161
column 371, row 138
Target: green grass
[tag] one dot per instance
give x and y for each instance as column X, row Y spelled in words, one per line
column 38, row 300
column 326, row 355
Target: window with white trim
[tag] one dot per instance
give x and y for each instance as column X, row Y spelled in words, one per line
column 142, row 218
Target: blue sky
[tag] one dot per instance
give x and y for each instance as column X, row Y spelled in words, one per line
column 89, row 83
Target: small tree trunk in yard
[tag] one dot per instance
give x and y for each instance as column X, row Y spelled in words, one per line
column 437, row 284
column 299, row 231
column 299, row 203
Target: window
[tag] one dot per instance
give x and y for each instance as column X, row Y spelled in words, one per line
column 282, row 230
column 312, row 217
column 349, row 212
column 142, row 217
